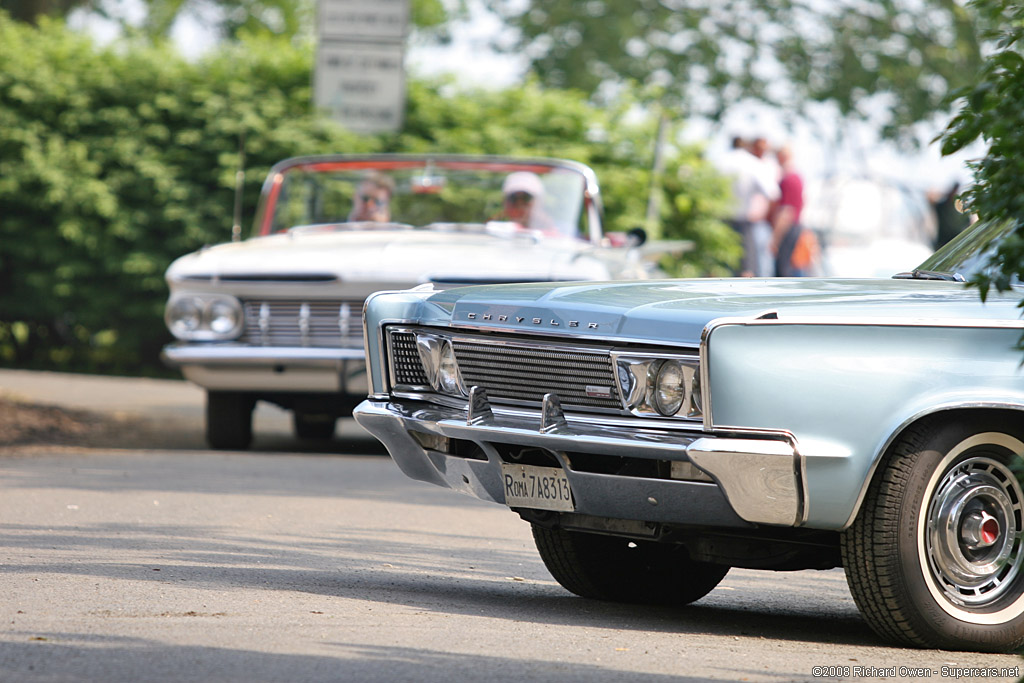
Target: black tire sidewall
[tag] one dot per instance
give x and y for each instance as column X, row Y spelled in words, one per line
column 928, row 616
column 606, row 568
column 229, row 420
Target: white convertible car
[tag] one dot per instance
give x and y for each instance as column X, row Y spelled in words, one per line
column 278, row 317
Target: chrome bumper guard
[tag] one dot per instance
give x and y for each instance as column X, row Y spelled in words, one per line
column 757, row 480
column 177, row 355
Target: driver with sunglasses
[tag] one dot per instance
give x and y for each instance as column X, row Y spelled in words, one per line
column 373, row 199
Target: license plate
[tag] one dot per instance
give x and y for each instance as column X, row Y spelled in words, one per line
column 540, row 488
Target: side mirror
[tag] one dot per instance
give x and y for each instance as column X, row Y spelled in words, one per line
column 637, row 236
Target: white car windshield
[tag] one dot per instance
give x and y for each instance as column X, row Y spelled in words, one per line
column 403, row 194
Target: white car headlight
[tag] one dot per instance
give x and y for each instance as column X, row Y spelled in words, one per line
column 655, row 384
column 204, row 317
column 184, row 316
column 224, row 316
column 669, row 388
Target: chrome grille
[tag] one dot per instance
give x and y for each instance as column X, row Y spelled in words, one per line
column 516, row 372
column 295, row 322
column 526, row 373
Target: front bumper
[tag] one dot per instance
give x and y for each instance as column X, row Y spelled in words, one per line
column 240, row 367
column 757, row 478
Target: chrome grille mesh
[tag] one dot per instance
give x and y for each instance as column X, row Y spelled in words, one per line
column 516, row 372
column 526, row 373
column 295, row 322
column 406, row 360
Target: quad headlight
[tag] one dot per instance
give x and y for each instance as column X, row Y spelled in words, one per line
column 204, row 317
column 659, row 385
column 439, row 364
column 669, row 387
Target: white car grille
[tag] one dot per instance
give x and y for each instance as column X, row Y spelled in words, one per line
column 293, row 322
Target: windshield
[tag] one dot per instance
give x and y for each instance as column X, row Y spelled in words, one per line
column 389, row 194
column 969, row 253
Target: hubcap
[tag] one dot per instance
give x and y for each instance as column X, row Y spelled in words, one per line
column 974, row 532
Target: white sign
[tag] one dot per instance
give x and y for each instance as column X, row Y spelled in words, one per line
column 361, row 85
column 359, row 77
column 363, row 19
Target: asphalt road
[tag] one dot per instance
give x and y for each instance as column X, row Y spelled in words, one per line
column 166, row 562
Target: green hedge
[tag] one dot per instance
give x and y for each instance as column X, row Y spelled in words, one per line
column 115, row 161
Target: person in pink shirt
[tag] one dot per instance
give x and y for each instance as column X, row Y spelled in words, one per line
column 796, row 249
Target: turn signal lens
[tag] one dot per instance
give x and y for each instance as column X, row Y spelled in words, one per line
column 429, row 348
column 696, row 404
column 449, row 379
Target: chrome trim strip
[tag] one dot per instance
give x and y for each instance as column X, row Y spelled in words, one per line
column 705, row 378
column 234, row 354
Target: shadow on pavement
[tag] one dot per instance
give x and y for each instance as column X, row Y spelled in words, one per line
column 80, row 656
column 432, row 575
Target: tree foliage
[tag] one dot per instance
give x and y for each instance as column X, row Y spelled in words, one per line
column 993, row 111
column 703, row 56
column 231, row 19
column 113, row 162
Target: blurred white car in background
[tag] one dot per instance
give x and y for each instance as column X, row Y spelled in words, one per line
column 869, row 227
column 278, row 317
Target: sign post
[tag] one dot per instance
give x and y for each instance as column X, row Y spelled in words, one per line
column 359, row 76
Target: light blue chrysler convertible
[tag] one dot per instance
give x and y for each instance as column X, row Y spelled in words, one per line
column 656, row 433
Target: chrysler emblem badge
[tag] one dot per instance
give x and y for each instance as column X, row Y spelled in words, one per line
column 521, row 320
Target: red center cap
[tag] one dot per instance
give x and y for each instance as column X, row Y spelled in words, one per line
column 989, row 531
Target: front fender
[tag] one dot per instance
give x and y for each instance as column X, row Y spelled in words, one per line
column 845, row 391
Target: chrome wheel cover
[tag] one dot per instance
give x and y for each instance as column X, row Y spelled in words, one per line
column 973, row 532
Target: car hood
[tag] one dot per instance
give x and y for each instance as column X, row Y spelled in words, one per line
column 404, row 257
column 678, row 310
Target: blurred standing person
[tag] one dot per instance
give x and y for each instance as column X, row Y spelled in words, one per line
column 762, row 261
column 948, row 218
column 754, row 187
column 796, row 249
